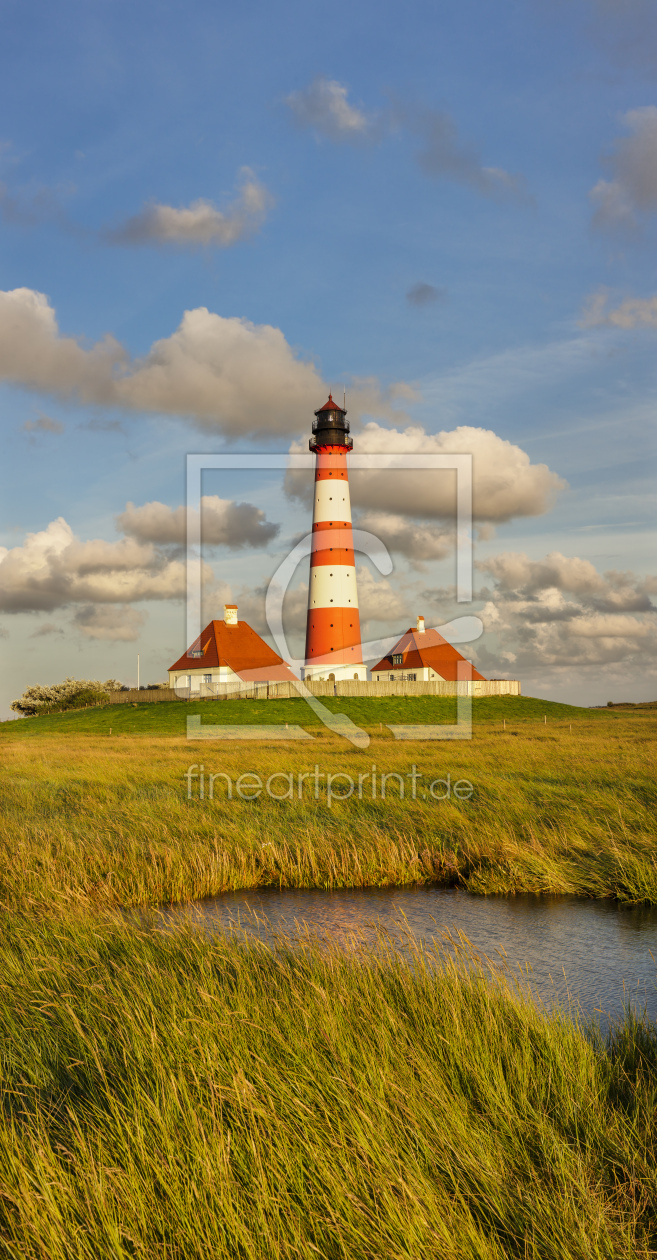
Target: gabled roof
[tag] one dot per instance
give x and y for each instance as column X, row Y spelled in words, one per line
column 427, row 649
column 238, row 647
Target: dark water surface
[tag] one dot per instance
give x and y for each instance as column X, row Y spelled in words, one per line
column 593, row 955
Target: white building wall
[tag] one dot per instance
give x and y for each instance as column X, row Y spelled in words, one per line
column 334, row 673
column 199, row 676
column 421, row 673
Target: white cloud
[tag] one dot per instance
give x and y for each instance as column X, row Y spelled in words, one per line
column 116, row 622
column 561, row 614
column 611, row 592
column 223, row 522
column 200, row 223
column 323, row 106
column 378, row 600
column 514, row 571
column 505, row 482
column 419, row 542
column 230, row 375
column 610, row 627
column 632, row 192
column 32, row 353
column 53, row 569
column 226, row 374
column 630, row 313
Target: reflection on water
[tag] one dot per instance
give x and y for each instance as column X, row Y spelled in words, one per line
column 594, row 954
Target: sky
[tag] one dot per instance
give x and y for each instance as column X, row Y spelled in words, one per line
column 211, row 214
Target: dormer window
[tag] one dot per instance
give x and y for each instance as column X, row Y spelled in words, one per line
column 397, row 658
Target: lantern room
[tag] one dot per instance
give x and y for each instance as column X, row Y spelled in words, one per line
column 330, row 427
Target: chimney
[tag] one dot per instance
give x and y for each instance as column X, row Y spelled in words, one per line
column 420, row 625
column 230, row 614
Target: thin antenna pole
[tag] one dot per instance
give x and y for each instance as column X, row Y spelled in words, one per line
column 138, row 671
column 344, row 399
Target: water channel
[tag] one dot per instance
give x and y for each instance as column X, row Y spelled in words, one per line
column 593, row 957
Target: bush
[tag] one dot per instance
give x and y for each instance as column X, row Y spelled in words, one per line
column 72, row 693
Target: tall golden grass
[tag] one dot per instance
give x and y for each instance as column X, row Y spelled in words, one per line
column 172, row 1097
column 105, row 820
column 166, row 1096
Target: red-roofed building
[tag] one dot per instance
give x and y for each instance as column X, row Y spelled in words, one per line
column 424, row 656
column 228, row 651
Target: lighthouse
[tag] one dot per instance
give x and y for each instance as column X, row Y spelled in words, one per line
column 333, row 643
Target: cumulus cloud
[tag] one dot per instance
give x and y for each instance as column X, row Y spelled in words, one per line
column 422, row 294
column 53, row 569
column 33, row 354
column 561, row 613
column 631, row 194
column 223, row 522
column 630, row 313
column 323, row 106
column 118, row 622
column 418, row 542
column 226, row 374
column 514, row 571
column 379, row 600
column 612, row 591
column 200, row 223
column 505, row 482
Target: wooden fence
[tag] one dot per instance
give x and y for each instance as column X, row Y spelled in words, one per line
column 288, row 691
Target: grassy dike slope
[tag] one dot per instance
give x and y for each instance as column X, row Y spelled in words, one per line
column 92, row 818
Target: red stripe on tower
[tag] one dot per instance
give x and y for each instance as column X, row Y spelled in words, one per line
column 333, row 644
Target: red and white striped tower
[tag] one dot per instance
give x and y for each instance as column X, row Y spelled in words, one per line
column 333, row 645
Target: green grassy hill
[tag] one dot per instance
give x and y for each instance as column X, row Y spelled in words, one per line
column 169, row 717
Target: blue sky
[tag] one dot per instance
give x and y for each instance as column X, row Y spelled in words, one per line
column 449, row 208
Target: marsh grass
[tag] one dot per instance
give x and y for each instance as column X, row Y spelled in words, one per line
column 169, row 1096
column 90, row 818
column 166, row 1095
